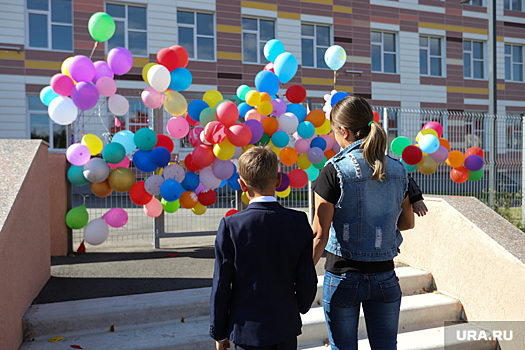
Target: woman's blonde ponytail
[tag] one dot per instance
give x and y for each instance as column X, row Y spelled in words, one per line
column 374, row 146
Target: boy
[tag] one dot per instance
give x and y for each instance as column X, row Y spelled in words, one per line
column 264, row 273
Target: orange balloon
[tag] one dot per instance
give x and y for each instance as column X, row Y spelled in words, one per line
column 459, row 174
column 288, row 155
column 188, row 199
column 101, row 189
column 316, row 117
column 329, row 153
column 455, row 159
column 270, row 125
column 443, row 142
column 265, row 97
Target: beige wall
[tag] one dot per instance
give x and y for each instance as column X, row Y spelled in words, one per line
column 58, row 203
column 467, row 263
column 24, row 250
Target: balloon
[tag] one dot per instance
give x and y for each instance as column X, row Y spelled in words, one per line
column 211, row 97
column 435, row 126
column 335, row 57
column 153, row 208
column 459, row 174
column 329, row 153
column 64, row 68
column 256, row 129
column 85, row 95
column 285, row 67
column 279, row 107
column 376, row 116
column 182, row 55
column 122, row 164
column 239, row 134
column 152, row 98
column 160, row 156
column 188, row 200
column 101, row 26
column 324, row 129
column 298, row 110
column 302, row 146
column 78, row 154
column 194, row 136
column 96, row 232
column 426, row 132
column 113, row 153
column 120, row 60
column 399, row 144
column 159, row 77
column 207, row 197
column 106, row 86
column 288, row 122
column 195, row 108
column 427, row 165
column 153, row 183
column 207, row 178
column 101, row 189
column 61, row 84
column 143, row 162
column 227, row 113
column 283, row 194
column 296, row 94
column 77, row 217
column 303, row 162
column 474, row 162
column 139, row 195
column 429, row 143
column 280, row 139
column 81, row 69
column 265, row 139
column 253, row 114
column 321, row 164
column 298, row 178
column 315, row 155
column 412, row 155
column 224, row 150
column 241, row 92
column 288, row 156
column 269, row 66
column 270, row 125
column 168, row 58
column 474, row 151
column 312, row 172
column 272, row 49
column 75, row 175
column 475, row 175
column 410, row 168
column 166, row 142
column 178, row 127
column 170, row 190
column 121, row 179
column 203, row 156
column 233, row 182
column 318, row 142
column 102, row 70
column 440, row 155
column 125, row 138
column 190, row 181
column 170, row 207
column 253, row 98
column 215, row 132
column 96, row 170
column 116, row 217
column 181, row 79
column 338, row 96
column 329, row 141
column 175, row 103
column 207, row 115
column 316, row 117
column 145, row 71
column 145, row 139
column 222, row 169
column 198, row 209
column 47, row 95
column 266, row 81
column 455, row 159
column 174, row 171
column 265, row 108
column 443, row 142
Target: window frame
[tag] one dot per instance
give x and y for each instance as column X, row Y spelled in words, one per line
column 126, row 27
column 196, row 36
column 50, row 24
column 472, row 60
column 315, row 46
column 510, row 6
column 383, row 52
column 51, row 124
column 430, row 56
column 512, row 63
column 260, row 60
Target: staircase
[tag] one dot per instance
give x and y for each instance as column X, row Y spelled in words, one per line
column 180, row 320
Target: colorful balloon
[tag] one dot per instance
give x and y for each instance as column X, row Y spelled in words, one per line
column 139, row 195
column 459, row 175
column 77, row 217
column 335, row 57
column 153, row 208
column 412, row 155
column 285, row 66
column 272, row 49
column 121, row 179
column 101, row 26
column 455, row 159
column 119, row 60
column 116, row 217
column 78, row 154
column 96, row 232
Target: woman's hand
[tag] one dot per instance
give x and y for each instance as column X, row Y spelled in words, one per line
column 323, row 215
column 223, row 344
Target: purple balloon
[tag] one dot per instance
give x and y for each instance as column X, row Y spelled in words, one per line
column 474, row 162
column 222, row 169
column 315, row 155
column 116, row 217
column 120, row 60
column 85, row 95
column 279, row 107
column 285, row 182
column 440, row 155
column 78, row 154
column 256, row 128
column 81, row 68
column 102, row 70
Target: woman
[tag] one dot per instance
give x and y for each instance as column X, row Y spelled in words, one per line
column 361, row 203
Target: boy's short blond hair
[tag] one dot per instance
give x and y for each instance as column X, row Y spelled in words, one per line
column 258, row 167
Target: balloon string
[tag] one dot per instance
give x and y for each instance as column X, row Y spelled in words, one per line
column 335, row 77
column 93, row 51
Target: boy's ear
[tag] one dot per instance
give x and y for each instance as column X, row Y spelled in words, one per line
column 244, row 188
column 279, row 179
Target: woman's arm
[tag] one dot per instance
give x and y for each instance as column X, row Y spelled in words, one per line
column 324, row 212
column 406, row 220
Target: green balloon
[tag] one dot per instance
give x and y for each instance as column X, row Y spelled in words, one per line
column 77, row 217
column 207, row 115
column 75, row 175
column 265, row 139
column 113, row 153
column 475, row 175
column 242, row 90
column 101, row 26
column 221, row 101
column 170, row 207
column 321, row 164
column 399, row 144
column 312, row 172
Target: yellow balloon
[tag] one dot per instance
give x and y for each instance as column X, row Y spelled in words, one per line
column 64, row 68
column 303, row 162
column 253, row 98
column 324, row 129
column 224, row 150
column 199, row 209
column 93, row 142
column 426, row 132
column 427, row 165
column 274, row 148
column 175, row 103
column 245, row 199
column 211, row 97
column 145, row 71
column 265, row 108
column 284, row 193
column 121, row 179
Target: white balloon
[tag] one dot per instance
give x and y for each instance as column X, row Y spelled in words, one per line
column 174, row 172
column 208, row 179
column 159, row 77
column 96, row 170
column 62, row 110
column 118, row 105
column 152, row 184
column 96, row 231
column 288, row 122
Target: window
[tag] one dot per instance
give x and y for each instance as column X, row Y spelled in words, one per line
column 197, row 34
column 42, row 127
column 475, row 2
column 130, row 28
column 515, row 5
column 384, row 54
column 430, row 54
column 50, row 24
column 473, row 59
column 513, row 62
column 513, row 131
column 255, row 33
column 315, row 39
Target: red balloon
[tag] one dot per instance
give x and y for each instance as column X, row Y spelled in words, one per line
column 227, row 113
column 298, row 178
column 376, row 116
column 191, row 121
column 207, row 197
column 182, row 55
column 474, row 151
column 188, row 163
column 168, row 58
column 215, row 132
column 165, row 141
column 194, row 136
column 231, row 212
column 239, row 134
column 412, row 155
column 296, row 94
column 139, row 195
column 203, row 156
column 269, row 67
column 459, row 175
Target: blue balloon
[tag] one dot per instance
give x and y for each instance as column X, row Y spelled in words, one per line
column 428, row 143
column 47, row 95
column 181, row 79
column 125, row 138
column 243, row 107
column 410, row 168
column 190, row 182
column 280, row 139
column 75, row 175
column 272, row 49
column 160, row 156
column 312, row 173
column 285, row 67
column 142, row 161
column 318, row 142
column 335, row 57
column 223, row 183
column 306, row 129
column 195, row 108
column 338, row 96
column 145, row 139
column 233, row 182
column 170, row 190
column 298, row 110
column 113, row 153
column 266, row 81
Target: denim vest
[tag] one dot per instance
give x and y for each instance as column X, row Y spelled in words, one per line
column 364, row 226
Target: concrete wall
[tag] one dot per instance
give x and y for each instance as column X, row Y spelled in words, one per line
column 469, row 264
column 58, row 203
column 24, row 233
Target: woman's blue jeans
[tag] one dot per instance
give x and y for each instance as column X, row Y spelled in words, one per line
column 380, row 295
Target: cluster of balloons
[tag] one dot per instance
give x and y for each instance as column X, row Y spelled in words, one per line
column 336, row 96
column 432, row 149
column 81, row 81
column 96, row 231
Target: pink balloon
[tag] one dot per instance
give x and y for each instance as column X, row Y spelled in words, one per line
column 120, row 60
column 435, row 126
column 106, row 86
column 123, row 164
column 227, row 113
column 279, row 107
column 302, row 146
column 178, row 127
column 194, row 136
column 215, row 132
column 81, row 68
column 102, row 70
column 239, row 134
column 252, row 114
column 440, row 155
column 152, row 98
column 78, row 154
column 62, row 84
column 329, row 141
column 154, row 208
column 116, row 217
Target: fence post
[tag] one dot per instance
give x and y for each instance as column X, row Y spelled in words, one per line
column 493, row 156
